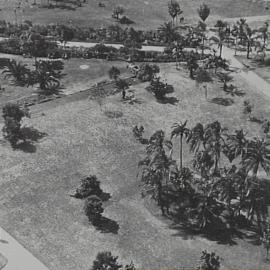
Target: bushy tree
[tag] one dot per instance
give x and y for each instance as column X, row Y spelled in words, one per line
column 89, row 186
column 147, row 72
column 105, row 261
column 13, row 114
column 159, row 89
column 93, row 209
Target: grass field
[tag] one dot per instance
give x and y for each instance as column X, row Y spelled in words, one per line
column 79, row 75
column 82, row 140
column 145, row 13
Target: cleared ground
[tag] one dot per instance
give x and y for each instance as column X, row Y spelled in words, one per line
column 145, row 13
column 82, row 140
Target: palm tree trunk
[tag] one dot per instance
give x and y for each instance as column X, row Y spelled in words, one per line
column 220, row 49
column 181, row 152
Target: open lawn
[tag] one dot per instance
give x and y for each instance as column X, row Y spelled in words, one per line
column 146, row 13
column 81, row 140
column 79, row 75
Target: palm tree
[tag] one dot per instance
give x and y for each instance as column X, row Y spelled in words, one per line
column 204, row 12
column 192, row 64
column 255, row 200
column 226, row 186
column 236, row 145
column 18, row 71
column 169, row 32
column 257, row 156
column 155, row 167
column 174, row 9
column 196, row 138
column 180, row 130
column 214, row 142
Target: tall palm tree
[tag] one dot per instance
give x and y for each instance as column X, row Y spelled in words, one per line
column 203, row 12
column 214, row 142
column 236, row 145
column 180, row 130
column 168, row 32
column 174, row 9
column 156, row 166
column 257, row 156
column 196, row 138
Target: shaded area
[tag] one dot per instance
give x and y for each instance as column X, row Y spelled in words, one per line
column 222, row 101
column 168, row 100
column 113, row 114
column 106, row 225
column 30, row 136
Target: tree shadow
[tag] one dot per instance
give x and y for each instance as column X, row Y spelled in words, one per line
column 29, row 135
column 2, row 241
column 221, row 236
column 255, row 119
column 32, row 134
column 60, row 6
column 104, row 196
column 106, row 225
column 168, row 100
column 222, row 101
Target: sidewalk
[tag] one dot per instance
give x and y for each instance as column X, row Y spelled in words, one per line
column 254, row 80
column 17, row 256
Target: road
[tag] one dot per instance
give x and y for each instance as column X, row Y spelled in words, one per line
column 18, row 258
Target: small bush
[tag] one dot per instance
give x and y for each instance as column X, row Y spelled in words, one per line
column 13, row 114
column 159, row 89
column 209, row 261
column 89, row 186
column 147, row 72
column 105, row 261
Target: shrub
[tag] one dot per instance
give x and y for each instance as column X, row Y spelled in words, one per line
column 13, row 114
column 105, row 261
column 159, row 89
column 147, row 72
column 93, row 209
column 209, row 261
column 89, row 186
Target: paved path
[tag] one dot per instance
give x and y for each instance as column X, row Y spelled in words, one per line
column 254, row 80
column 18, row 257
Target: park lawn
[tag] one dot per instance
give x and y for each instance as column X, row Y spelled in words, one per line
column 147, row 14
column 79, row 75
column 261, row 70
column 81, row 140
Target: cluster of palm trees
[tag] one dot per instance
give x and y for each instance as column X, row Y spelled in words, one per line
column 206, row 193
column 47, row 74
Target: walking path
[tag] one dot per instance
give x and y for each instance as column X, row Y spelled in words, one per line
column 18, row 258
column 254, row 80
